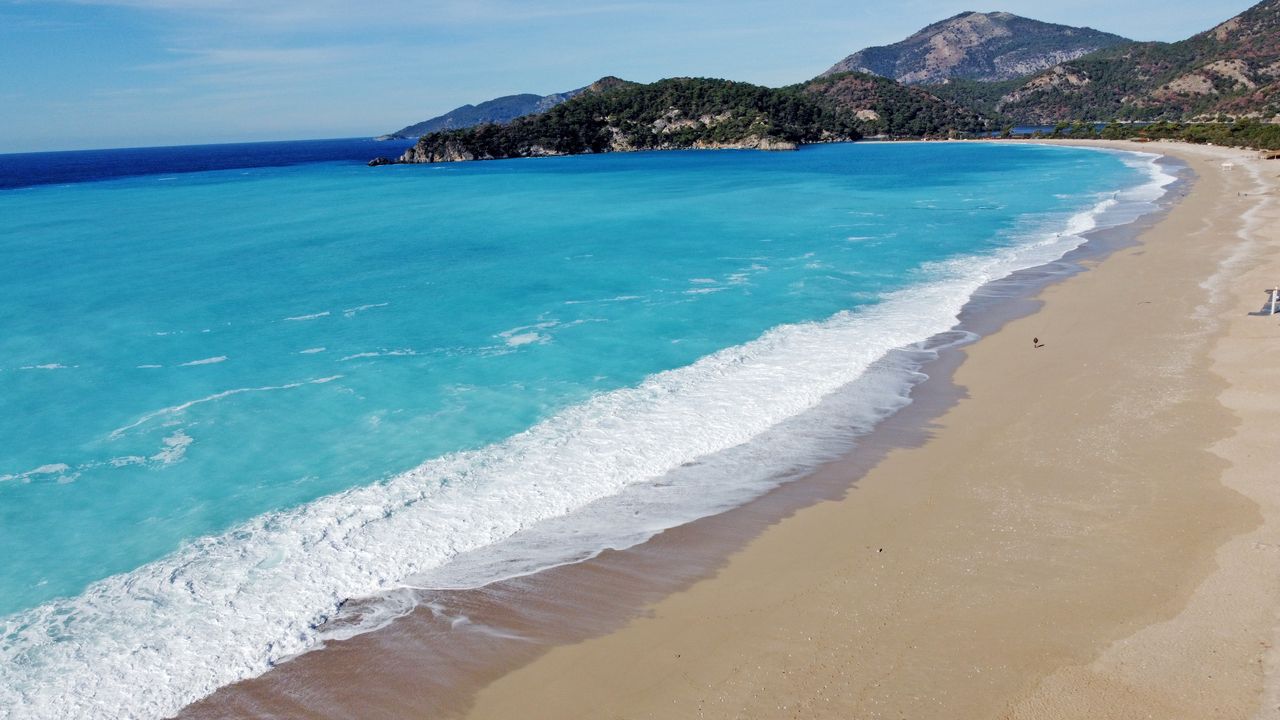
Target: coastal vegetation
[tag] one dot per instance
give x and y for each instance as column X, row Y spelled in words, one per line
column 677, row 113
column 1241, row 133
column 884, row 107
column 975, row 95
column 1193, row 90
column 1231, row 69
column 1245, row 133
column 615, row 115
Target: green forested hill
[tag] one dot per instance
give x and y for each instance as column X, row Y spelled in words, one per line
column 675, row 113
column 1229, row 72
column 707, row 113
column 1232, row 69
column 975, row 95
column 885, row 107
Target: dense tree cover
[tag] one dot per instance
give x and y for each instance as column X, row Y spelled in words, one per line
column 1149, row 81
column 975, row 95
column 675, row 113
column 693, row 112
column 1229, row 71
column 1077, row 129
column 901, row 111
column 1242, row 133
column 1115, row 84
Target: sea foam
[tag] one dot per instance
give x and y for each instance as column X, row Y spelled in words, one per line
column 691, row 441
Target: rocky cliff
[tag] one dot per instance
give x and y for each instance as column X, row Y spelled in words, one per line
column 978, row 46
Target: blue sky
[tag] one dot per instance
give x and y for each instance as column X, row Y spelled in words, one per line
column 118, row 73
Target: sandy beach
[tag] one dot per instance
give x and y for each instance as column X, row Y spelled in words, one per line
column 1084, row 529
column 1092, row 531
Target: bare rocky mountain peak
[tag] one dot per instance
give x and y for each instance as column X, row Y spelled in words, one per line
column 978, row 46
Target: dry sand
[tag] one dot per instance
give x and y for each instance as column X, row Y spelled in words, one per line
column 1092, row 531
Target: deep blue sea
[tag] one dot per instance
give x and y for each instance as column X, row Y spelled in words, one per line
column 51, row 168
column 240, row 385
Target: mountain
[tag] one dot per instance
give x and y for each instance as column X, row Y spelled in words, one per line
column 1232, row 69
column 668, row 114
column 498, row 110
column 614, row 116
column 978, row 46
column 885, row 107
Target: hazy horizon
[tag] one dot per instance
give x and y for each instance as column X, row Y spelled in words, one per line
column 134, row 73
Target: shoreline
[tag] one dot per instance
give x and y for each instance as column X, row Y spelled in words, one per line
column 717, row 539
column 763, row 145
column 1092, row 548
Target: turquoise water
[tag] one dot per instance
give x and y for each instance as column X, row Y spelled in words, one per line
column 219, row 388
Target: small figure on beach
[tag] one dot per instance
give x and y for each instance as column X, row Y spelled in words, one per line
column 1035, row 343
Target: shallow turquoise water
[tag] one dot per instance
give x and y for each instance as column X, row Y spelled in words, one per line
column 182, row 354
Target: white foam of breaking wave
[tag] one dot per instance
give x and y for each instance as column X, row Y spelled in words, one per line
column 619, row 298
column 175, row 448
column 46, row 469
column 145, row 643
column 46, row 366
column 403, row 352
column 528, row 334
column 525, row 339
column 351, row 312
column 312, row 316
column 703, row 487
column 205, row 361
column 177, row 409
column 126, row 461
column 311, row 351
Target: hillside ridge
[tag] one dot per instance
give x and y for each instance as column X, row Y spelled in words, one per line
column 978, row 46
column 1231, row 70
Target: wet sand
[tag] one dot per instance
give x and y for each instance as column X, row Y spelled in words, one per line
column 1091, row 532
column 1086, row 529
